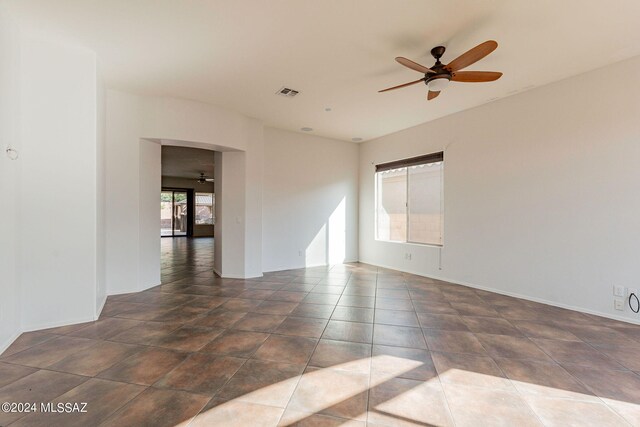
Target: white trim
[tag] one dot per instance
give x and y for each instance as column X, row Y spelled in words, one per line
column 235, row 276
column 132, row 291
column 512, row 294
column 281, row 268
column 123, row 292
column 101, row 307
column 401, row 242
column 148, row 287
column 48, row 325
column 298, row 267
column 229, row 276
column 5, row 345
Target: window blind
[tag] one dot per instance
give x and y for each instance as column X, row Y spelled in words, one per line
column 414, row 161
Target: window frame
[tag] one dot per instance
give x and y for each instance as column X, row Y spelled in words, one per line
column 407, row 163
column 210, row 206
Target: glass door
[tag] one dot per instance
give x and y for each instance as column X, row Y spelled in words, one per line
column 166, row 213
column 180, row 213
column 174, row 213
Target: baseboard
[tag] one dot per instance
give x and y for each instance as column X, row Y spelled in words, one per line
column 49, row 325
column 235, row 276
column 132, row 291
column 5, row 345
column 101, row 307
column 512, row 294
column 287, row 267
column 148, row 287
column 298, row 267
column 227, row 276
column 284, row 268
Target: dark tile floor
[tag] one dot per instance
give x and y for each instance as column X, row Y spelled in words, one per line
column 347, row 345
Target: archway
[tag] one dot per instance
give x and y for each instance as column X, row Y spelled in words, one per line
column 230, row 208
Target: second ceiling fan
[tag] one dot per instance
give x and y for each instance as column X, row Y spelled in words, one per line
column 439, row 75
column 204, row 179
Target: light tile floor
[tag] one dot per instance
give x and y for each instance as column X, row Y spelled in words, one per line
column 348, row 345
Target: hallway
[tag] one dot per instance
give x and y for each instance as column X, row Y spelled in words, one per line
column 347, row 345
column 182, row 257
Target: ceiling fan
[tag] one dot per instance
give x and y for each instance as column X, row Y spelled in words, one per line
column 204, row 179
column 438, row 76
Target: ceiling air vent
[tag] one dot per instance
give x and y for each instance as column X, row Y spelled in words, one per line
column 285, row 91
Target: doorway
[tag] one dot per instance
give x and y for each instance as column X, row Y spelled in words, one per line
column 175, row 218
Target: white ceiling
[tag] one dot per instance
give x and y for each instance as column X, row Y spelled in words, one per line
column 337, row 53
column 181, row 162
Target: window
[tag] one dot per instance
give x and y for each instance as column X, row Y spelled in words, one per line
column 409, row 200
column 204, row 208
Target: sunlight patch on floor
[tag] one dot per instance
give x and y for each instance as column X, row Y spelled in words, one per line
column 316, row 391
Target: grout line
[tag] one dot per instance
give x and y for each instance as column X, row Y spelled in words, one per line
column 373, row 331
column 429, row 351
column 308, row 361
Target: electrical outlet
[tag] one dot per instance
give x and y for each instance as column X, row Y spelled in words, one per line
column 618, row 291
column 618, row 304
column 299, row 253
column 407, row 256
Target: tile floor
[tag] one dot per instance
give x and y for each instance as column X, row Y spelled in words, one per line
column 349, row 345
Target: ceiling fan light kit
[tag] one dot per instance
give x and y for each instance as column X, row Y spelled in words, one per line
column 438, row 84
column 437, row 77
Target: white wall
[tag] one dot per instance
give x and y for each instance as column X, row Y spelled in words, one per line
column 50, row 251
column 149, row 212
column 231, row 223
column 541, row 192
column 122, row 194
column 217, row 243
column 310, row 201
column 57, row 187
column 10, row 303
column 101, row 275
column 254, row 177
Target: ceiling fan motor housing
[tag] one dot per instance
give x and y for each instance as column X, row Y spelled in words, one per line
column 440, row 72
column 437, row 52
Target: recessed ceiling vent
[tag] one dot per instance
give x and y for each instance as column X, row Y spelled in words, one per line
column 287, row 92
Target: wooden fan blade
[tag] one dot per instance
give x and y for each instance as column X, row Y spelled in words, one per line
column 472, row 55
column 432, row 95
column 403, row 85
column 414, row 65
column 475, row 76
